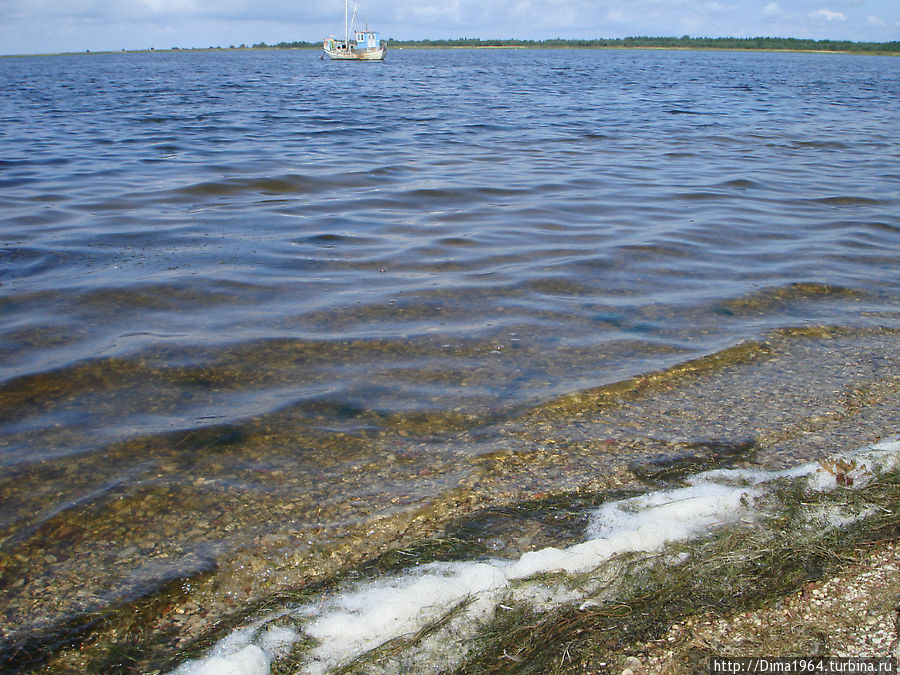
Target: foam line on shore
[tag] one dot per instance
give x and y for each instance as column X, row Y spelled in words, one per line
column 363, row 616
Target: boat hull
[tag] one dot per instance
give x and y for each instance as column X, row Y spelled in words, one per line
column 356, row 55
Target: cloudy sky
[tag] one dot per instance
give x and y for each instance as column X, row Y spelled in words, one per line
column 40, row 26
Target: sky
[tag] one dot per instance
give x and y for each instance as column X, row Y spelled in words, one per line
column 48, row 26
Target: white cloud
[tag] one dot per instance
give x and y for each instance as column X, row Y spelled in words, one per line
column 827, row 14
column 875, row 21
column 772, row 9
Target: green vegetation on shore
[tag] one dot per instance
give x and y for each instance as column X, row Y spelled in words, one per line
column 641, row 42
column 684, row 42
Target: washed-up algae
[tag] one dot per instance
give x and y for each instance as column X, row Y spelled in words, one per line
column 737, row 569
column 635, row 600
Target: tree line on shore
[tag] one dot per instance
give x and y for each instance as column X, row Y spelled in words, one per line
column 686, row 42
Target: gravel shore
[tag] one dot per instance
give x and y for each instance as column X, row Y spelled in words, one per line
column 853, row 613
column 796, row 397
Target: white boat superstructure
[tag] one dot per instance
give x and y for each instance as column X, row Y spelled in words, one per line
column 357, row 45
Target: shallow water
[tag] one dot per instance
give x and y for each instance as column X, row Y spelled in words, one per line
column 246, row 294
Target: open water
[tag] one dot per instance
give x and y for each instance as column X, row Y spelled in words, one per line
column 239, row 289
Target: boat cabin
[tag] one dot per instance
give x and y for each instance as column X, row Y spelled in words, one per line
column 367, row 40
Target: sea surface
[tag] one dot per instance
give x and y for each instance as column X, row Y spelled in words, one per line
column 245, row 293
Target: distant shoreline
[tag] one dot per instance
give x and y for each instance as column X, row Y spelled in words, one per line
column 758, row 44
column 662, row 49
column 197, row 50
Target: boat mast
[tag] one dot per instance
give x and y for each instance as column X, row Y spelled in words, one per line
column 346, row 21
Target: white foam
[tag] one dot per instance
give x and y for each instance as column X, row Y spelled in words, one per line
column 355, row 622
column 643, row 523
column 247, row 651
column 365, row 616
column 249, row 660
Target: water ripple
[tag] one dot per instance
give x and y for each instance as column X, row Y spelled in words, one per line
column 187, row 238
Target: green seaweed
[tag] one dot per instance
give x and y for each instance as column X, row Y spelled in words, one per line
column 735, row 569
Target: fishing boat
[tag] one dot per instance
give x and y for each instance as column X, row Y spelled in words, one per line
column 357, row 45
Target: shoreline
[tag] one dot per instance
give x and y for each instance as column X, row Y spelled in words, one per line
column 317, row 48
column 797, row 536
column 548, row 469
